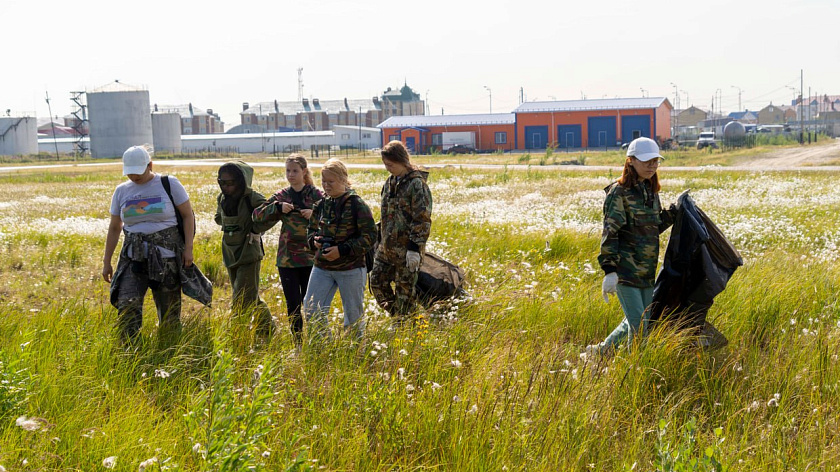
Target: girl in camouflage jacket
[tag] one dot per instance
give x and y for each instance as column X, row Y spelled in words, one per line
column 342, row 230
column 242, row 247
column 633, row 220
column 293, row 207
column 406, row 222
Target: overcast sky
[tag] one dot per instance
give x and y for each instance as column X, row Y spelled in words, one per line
column 220, row 55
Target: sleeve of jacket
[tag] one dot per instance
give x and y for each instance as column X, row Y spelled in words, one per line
column 257, row 202
column 218, row 217
column 668, row 217
column 421, row 216
column 366, row 235
column 268, row 210
column 615, row 217
column 314, row 227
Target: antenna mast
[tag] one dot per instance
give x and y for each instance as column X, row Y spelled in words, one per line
column 300, row 84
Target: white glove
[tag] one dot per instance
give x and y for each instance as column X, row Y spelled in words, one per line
column 412, row 261
column 608, row 285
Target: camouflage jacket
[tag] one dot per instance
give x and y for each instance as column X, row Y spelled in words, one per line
column 241, row 237
column 406, row 216
column 292, row 249
column 633, row 220
column 354, row 231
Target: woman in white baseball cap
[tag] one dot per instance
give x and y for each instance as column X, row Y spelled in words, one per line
column 633, row 220
column 154, row 252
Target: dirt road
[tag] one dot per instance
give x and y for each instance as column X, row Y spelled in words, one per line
column 813, row 155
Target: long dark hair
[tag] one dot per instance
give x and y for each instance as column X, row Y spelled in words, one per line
column 297, row 158
column 630, row 178
column 395, row 151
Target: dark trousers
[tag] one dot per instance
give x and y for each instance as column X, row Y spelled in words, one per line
column 295, row 281
column 167, row 296
column 399, row 301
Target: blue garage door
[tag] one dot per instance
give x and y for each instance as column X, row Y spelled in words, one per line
column 633, row 127
column 602, row 131
column 536, row 137
column 568, row 136
column 409, row 143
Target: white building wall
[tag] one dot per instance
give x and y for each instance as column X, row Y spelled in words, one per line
column 118, row 120
column 18, row 136
column 349, row 136
column 166, row 132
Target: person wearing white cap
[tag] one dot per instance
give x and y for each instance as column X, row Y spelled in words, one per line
column 633, row 220
column 154, row 252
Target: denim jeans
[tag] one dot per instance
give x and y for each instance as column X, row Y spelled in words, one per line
column 634, row 302
column 321, row 291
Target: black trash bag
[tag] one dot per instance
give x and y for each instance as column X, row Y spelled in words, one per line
column 438, row 280
column 698, row 263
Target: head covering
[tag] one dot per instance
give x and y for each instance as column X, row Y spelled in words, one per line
column 643, row 149
column 135, row 160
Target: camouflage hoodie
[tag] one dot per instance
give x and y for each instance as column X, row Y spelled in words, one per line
column 633, row 220
column 406, row 216
column 292, row 248
column 354, row 231
column 241, row 240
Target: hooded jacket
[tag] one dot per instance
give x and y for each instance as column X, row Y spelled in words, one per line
column 699, row 261
column 242, row 238
column 406, row 215
column 292, row 247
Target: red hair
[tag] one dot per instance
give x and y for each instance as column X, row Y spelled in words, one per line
column 630, row 178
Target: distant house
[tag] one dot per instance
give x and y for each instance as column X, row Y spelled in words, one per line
column 746, row 116
column 691, row 116
column 771, row 115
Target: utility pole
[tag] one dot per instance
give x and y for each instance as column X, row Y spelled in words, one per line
column 52, row 125
column 491, row 98
column 739, row 96
column 674, row 124
column 300, row 84
column 360, row 124
column 801, row 125
column 521, row 95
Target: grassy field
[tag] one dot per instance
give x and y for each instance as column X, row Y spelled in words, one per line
column 493, row 382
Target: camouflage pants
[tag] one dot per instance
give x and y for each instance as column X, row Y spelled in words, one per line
column 167, row 296
column 399, row 301
column 245, row 285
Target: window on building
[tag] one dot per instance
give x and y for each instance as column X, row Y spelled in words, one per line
column 501, row 137
column 437, row 139
column 345, row 136
column 394, row 137
column 366, row 135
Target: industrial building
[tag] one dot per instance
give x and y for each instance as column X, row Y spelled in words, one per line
column 318, row 115
column 536, row 125
column 194, row 120
column 426, row 134
column 18, row 135
column 119, row 117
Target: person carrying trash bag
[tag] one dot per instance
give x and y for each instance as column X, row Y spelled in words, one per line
column 405, row 224
column 242, row 247
column 156, row 217
column 698, row 263
column 633, row 221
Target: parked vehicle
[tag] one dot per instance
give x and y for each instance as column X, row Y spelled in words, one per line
column 707, row 139
column 460, row 149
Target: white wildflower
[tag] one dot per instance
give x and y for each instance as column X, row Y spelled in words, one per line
column 403, row 352
column 109, row 462
column 196, row 448
column 401, row 373
column 473, row 409
column 774, row 402
column 266, row 454
column 456, row 399
column 409, row 388
column 374, row 353
column 160, row 373
column 385, row 376
column 147, row 463
column 456, row 363
column 28, row 424
column 435, row 385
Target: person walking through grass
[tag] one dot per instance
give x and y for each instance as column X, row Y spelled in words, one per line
column 633, row 221
column 242, row 246
column 342, row 230
column 406, row 221
column 293, row 207
column 154, row 254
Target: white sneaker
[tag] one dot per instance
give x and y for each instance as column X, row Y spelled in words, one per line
column 591, row 351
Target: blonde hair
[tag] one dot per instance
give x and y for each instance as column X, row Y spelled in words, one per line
column 337, row 168
column 297, row 158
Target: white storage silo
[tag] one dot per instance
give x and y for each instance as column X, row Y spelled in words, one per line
column 166, row 129
column 18, row 136
column 119, row 117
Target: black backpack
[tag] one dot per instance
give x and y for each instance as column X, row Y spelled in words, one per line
column 369, row 255
column 164, row 180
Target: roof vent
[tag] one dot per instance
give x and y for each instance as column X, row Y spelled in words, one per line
column 245, row 106
column 306, row 102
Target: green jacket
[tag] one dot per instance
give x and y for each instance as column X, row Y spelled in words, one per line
column 354, row 231
column 633, row 220
column 242, row 238
column 406, row 216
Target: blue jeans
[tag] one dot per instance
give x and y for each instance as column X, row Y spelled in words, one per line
column 634, row 302
column 321, row 291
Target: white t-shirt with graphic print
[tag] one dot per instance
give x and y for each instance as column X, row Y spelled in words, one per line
column 146, row 208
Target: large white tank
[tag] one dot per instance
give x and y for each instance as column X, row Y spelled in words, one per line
column 120, row 117
column 18, row 136
column 734, row 130
column 166, row 129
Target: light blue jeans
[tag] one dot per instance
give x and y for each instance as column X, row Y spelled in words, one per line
column 634, row 302
column 320, row 293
